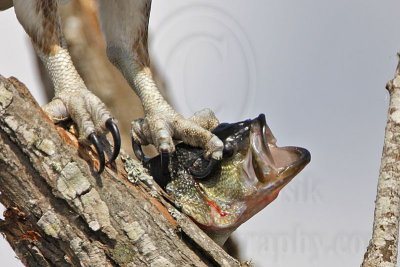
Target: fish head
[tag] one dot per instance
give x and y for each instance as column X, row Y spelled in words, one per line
column 250, row 175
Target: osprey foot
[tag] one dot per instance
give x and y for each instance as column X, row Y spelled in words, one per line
column 91, row 117
column 161, row 129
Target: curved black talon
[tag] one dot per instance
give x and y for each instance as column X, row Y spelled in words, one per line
column 113, row 128
column 201, row 174
column 100, row 151
column 164, row 162
column 137, row 149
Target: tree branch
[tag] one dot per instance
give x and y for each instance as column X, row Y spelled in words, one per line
column 382, row 249
column 60, row 212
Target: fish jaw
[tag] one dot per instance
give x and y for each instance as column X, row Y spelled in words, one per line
column 252, row 179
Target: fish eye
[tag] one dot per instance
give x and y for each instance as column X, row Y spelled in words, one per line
column 229, row 150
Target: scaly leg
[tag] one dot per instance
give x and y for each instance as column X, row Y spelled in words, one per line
column 125, row 24
column 72, row 99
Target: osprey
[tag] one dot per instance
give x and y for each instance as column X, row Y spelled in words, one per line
column 221, row 175
column 125, row 25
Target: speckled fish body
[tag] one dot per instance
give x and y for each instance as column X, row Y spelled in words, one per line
column 249, row 177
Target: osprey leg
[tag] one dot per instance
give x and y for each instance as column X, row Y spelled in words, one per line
column 72, row 99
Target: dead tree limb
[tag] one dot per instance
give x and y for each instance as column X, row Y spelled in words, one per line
column 382, row 249
column 61, row 213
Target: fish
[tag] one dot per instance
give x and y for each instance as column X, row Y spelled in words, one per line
column 219, row 196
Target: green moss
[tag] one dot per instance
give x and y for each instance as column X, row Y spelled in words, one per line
column 123, row 254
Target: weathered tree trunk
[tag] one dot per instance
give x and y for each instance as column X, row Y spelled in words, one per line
column 61, row 213
column 382, row 249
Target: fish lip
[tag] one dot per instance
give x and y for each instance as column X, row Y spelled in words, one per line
column 280, row 163
column 305, row 155
column 301, row 162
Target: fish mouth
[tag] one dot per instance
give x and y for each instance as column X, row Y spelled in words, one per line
column 249, row 177
column 274, row 166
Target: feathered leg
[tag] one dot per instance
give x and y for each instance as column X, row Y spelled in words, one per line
column 125, row 24
column 72, row 99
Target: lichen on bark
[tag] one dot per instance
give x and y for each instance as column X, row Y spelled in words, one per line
column 382, row 249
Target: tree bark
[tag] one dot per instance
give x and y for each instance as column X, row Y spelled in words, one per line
column 382, row 249
column 61, row 213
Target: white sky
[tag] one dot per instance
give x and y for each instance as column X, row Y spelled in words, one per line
column 316, row 68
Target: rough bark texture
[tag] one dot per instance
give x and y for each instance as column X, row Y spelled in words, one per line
column 61, row 213
column 382, row 249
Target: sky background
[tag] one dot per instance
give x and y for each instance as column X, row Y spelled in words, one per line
column 316, row 68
